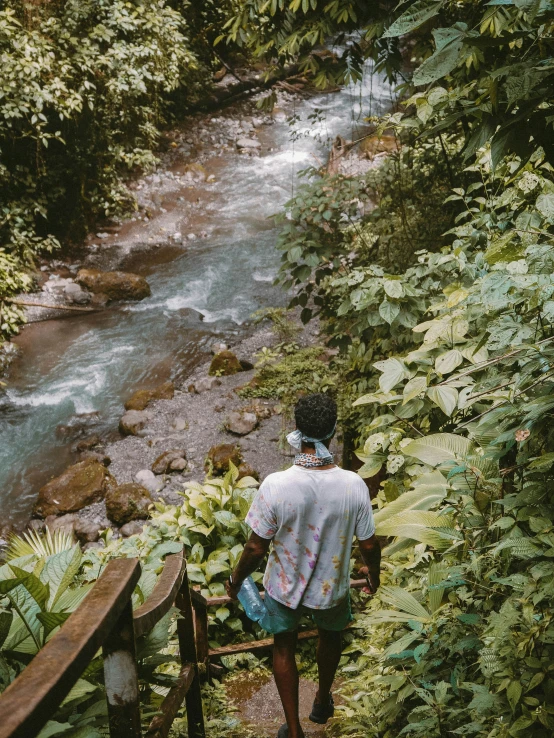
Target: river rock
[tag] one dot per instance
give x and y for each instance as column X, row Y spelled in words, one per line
column 127, row 502
column 205, row 384
column 99, row 300
column 166, row 462
column 86, row 531
column 78, row 425
column 75, row 293
column 148, row 479
column 180, row 424
column 142, row 398
column 116, row 285
column 195, row 172
column 87, row 444
column 133, row 528
column 133, row 422
column 36, row 524
column 63, row 523
column 245, row 470
column 101, row 457
column 241, row 423
column 220, row 456
column 249, row 144
column 224, row 364
column 218, row 347
column 79, row 485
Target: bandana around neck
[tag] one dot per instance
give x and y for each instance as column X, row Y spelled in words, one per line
column 309, row 461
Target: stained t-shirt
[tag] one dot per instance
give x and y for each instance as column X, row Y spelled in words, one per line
column 312, row 517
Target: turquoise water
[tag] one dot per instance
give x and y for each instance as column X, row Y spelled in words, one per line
column 92, row 364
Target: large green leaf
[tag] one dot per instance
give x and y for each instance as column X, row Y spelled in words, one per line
column 60, row 571
column 403, row 600
column 445, row 397
column 51, row 620
column 444, row 60
column 393, row 371
column 417, row 14
column 438, row 448
column 424, row 497
column 38, row 591
column 430, row 528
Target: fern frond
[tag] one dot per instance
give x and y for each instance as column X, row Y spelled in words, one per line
column 42, row 545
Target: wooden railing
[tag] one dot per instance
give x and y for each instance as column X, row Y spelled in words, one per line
column 105, row 620
column 206, row 654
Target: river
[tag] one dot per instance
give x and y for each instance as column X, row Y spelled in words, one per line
column 92, row 363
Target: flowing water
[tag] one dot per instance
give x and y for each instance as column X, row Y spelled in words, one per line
column 91, row 364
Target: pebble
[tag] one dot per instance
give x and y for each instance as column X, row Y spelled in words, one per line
column 102, row 235
column 191, row 236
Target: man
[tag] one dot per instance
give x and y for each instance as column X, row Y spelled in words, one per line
column 310, row 513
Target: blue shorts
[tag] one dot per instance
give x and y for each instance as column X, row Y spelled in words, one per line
column 282, row 619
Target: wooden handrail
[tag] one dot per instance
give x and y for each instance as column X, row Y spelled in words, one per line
column 163, row 597
column 30, row 700
column 172, row 589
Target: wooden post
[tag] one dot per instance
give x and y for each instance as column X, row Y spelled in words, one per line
column 200, row 606
column 187, row 650
column 121, row 678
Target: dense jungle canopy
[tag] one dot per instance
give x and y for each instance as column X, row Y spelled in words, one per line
column 440, row 299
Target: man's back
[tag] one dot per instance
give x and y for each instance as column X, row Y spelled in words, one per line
column 312, row 516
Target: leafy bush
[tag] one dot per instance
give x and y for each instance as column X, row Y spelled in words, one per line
column 45, row 579
column 100, row 80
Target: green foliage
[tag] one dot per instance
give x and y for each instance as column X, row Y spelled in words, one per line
column 287, row 372
column 101, row 79
column 47, row 578
column 448, row 366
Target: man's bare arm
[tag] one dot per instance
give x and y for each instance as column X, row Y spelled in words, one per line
column 370, row 551
column 252, row 556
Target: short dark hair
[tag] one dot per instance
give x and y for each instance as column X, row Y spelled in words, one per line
column 315, row 415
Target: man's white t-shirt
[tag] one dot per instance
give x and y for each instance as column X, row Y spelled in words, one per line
column 312, row 517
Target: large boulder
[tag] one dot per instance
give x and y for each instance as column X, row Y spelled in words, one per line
column 80, row 485
column 128, row 502
column 133, row 422
column 224, row 364
column 220, row 456
column 241, row 423
column 142, row 398
column 116, row 285
column 170, row 461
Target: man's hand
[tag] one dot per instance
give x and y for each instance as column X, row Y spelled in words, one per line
column 371, row 555
column 232, row 589
column 373, row 581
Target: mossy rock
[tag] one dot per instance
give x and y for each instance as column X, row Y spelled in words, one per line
column 128, row 502
column 142, row 398
column 224, row 364
column 220, row 456
column 79, row 485
column 116, row 285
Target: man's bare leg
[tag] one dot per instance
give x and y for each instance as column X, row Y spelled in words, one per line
column 285, row 672
column 329, row 649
